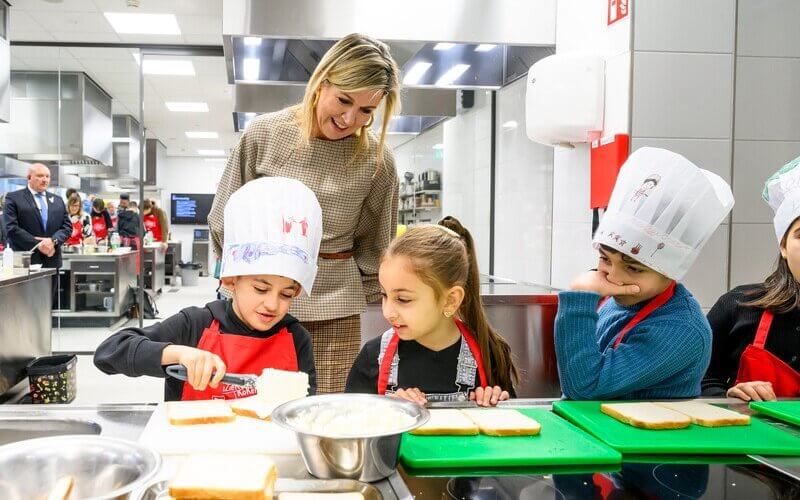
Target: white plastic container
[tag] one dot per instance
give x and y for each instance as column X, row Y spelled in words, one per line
column 8, row 261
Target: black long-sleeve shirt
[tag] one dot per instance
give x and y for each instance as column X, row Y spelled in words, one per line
column 432, row 372
column 734, row 328
column 137, row 351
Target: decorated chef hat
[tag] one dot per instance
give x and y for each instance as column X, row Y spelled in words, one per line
column 782, row 192
column 663, row 210
column 273, row 225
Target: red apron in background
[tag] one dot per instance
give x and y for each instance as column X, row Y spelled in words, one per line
column 99, row 227
column 151, row 224
column 758, row 364
column 243, row 354
column 658, row 301
column 77, row 229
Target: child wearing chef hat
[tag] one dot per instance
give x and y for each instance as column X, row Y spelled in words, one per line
column 650, row 339
column 755, row 352
column 273, row 228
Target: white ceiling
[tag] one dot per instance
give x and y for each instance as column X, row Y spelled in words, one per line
column 117, row 72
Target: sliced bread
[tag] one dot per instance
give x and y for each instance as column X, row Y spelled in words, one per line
column 280, row 386
column 253, row 407
column 706, row 414
column 225, row 477
column 447, row 423
column 350, row 495
column 503, row 422
column 646, row 415
column 199, row 412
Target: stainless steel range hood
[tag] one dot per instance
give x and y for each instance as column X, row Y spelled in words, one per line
column 75, row 129
column 126, row 147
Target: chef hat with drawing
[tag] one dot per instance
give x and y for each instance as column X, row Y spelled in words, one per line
column 663, row 210
column 782, row 193
column 273, row 225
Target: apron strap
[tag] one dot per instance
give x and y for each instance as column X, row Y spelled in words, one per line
column 646, row 311
column 474, row 349
column 385, row 365
column 763, row 329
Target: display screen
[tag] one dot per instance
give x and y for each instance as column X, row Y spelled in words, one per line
column 190, row 208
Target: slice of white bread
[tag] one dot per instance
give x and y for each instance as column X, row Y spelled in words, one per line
column 646, row 415
column 253, row 407
column 199, row 412
column 706, row 414
column 225, row 477
column 280, row 386
column 350, row 495
column 448, row 422
column 503, row 422
column 62, row 489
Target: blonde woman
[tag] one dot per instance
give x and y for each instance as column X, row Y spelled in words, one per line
column 81, row 223
column 326, row 142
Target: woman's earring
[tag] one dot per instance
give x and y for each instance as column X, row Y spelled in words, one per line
column 448, row 314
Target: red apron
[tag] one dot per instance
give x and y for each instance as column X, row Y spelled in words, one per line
column 77, row 229
column 657, row 301
column 243, row 354
column 99, row 227
column 391, row 349
column 758, row 364
column 151, row 224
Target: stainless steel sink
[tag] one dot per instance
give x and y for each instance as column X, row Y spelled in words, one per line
column 18, row 429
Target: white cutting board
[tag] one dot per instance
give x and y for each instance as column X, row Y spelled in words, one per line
column 243, row 435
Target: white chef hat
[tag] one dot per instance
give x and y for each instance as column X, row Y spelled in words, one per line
column 663, row 210
column 273, row 225
column 782, row 193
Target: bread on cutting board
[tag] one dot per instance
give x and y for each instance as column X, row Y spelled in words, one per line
column 253, row 407
column 350, row 495
column 706, row 414
column 503, row 422
column 646, row 415
column 199, row 412
column 225, row 477
column 447, row 422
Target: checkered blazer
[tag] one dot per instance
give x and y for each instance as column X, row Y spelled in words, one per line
column 358, row 200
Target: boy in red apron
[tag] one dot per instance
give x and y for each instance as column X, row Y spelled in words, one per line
column 266, row 266
column 756, row 348
column 101, row 221
column 650, row 339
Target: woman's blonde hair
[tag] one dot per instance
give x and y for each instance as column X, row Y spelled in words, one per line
column 355, row 63
column 443, row 256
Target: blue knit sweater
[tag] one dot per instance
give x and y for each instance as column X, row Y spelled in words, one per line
column 665, row 356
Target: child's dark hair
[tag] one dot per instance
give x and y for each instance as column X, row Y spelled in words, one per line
column 443, row 256
column 99, row 204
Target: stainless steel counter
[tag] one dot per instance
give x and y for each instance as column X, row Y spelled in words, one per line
column 524, row 314
column 154, row 268
column 25, row 326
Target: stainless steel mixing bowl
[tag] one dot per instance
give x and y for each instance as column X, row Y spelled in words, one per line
column 361, row 456
column 103, row 468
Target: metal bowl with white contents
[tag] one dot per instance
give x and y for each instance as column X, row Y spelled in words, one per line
column 350, row 436
column 101, row 467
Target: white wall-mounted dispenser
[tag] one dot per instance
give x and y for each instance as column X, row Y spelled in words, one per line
column 565, row 98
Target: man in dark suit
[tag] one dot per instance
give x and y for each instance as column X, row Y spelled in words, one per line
column 33, row 216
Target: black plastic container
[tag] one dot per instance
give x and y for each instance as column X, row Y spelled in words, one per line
column 52, row 379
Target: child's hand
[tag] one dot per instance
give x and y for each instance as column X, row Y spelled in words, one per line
column 203, row 368
column 753, row 391
column 412, row 394
column 488, row 396
column 597, row 281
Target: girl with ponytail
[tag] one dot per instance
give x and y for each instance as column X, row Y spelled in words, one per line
column 441, row 346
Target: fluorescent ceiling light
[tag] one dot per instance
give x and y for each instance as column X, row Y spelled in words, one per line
column 187, row 107
column 143, row 24
column 485, row 47
column 443, row 46
column 452, row 74
column 510, row 125
column 202, row 135
column 211, row 152
column 121, row 139
column 216, row 160
column 252, row 41
column 438, row 146
column 250, row 68
column 168, row 67
column 415, row 73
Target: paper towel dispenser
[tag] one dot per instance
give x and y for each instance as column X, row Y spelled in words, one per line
column 565, row 98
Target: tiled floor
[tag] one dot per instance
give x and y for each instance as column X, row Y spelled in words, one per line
column 95, row 386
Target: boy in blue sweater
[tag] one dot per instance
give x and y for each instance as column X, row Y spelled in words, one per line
column 649, row 339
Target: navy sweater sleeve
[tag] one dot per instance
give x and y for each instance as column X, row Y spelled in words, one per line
column 363, row 376
column 305, row 355
column 720, row 317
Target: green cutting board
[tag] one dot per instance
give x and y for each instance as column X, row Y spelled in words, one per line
column 558, row 443
column 788, row 411
column 758, row 438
